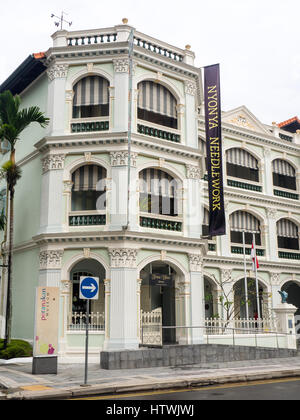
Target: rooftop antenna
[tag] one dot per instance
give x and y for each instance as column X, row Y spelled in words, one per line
column 61, row 20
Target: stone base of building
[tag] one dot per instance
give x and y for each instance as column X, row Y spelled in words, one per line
column 44, row 365
column 187, row 355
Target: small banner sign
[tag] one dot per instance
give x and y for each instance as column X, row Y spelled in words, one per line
column 165, row 280
column 46, row 321
column 212, row 96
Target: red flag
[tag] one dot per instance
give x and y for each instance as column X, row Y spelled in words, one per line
column 254, row 258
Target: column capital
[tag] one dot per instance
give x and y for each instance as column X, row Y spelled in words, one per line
column 57, row 71
column 196, row 262
column 51, row 259
column 53, row 162
column 121, row 158
column 123, row 258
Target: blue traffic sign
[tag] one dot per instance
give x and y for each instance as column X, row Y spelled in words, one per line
column 89, row 288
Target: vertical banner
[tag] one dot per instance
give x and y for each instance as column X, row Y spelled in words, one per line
column 46, row 321
column 212, row 96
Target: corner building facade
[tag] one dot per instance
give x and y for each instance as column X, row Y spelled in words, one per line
column 76, row 215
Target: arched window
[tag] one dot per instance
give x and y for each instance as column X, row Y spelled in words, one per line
column 284, row 175
column 89, row 188
column 158, row 193
column 156, row 104
column 91, row 98
column 242, row 221
column 241, row 164
column 287, row 234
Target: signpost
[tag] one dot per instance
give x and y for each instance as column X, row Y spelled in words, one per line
column 89, row 290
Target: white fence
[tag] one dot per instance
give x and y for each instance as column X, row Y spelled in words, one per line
column 151, row 327
column 217, row 326
column 77, row 321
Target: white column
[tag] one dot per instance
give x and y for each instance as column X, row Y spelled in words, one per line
column 191, row 129
column 123, row 300
column 50, row 267
column 272, row 234
column 194, row 191
column 51, row 218
column 119, row 191
column 56, row 108
column 197, row 306
column 268, row 173
column 121, row 91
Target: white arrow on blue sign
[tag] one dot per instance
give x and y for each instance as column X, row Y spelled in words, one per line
column 89, row 288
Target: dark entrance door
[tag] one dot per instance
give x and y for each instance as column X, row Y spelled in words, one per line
column 168, row 315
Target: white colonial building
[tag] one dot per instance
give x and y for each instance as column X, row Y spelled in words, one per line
column 75, row 217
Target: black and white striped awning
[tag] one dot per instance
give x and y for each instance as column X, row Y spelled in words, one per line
column 286, row 228
column 156, row 98
column 243, row 221
column 282, row 167
column 241, row 157
column 86, row 178
column 156, row 182
column 92, row 90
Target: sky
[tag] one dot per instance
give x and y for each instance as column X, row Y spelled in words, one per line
column 256, row 42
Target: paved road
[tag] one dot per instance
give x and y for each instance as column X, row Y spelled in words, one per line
column 281, row 389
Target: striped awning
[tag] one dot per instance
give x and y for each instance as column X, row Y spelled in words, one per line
column 287, row 229
column 242, row 158
column 156, row 98
column 243, row 221
column 86, row 178
column 282, row 167
column 156, row 182
column 92, row 90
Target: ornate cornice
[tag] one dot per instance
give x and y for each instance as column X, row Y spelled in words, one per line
column 50, row 260
column 53, row 162
column 123, row 257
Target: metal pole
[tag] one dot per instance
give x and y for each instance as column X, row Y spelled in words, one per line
column 245, row 276
column 256, row 280
column 86, row 341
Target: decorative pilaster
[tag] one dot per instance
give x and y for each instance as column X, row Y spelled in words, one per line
column 197, row 301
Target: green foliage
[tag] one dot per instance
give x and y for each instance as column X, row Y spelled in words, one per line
column 16, row 349
column 12, row 173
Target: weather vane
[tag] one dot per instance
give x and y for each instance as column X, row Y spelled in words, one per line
column 61, row 20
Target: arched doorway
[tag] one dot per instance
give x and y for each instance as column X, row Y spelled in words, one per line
column 77, row 308
column 160, row 295
column 240, row 299
column 293, row 290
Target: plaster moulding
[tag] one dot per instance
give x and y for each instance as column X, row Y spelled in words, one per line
column 51, row 259
column 123, row 258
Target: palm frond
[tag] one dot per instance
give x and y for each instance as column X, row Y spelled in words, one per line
column 12, row 173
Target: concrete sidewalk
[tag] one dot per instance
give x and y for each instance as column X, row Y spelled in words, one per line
column 17, row 381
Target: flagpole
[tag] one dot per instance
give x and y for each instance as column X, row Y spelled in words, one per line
column 245, row 275
column 256, row 280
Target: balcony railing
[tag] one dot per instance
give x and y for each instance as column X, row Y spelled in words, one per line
column 244, row 185
column 158, row 133
column 240, row 250
column 286, row 194
column 87, row 220
column 91, row 37
column 89, row 126
column 161, row 222
column 153, row 45
column 289, row 255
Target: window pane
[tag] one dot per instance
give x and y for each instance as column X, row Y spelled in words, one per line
column 288, row 243
column 237, row 238
column 157, row 118
column 88, row 200
column 284, row 181
column 242, row 172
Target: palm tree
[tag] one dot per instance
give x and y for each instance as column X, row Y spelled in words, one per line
column 13, row 121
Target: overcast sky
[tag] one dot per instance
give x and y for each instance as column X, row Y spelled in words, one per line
column 256, row 42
